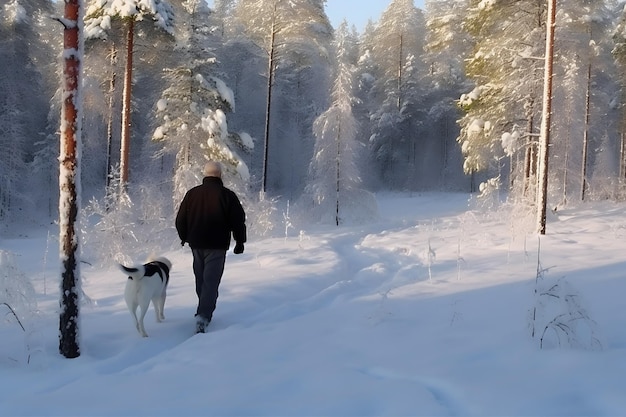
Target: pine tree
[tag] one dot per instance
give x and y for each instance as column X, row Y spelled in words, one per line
column 98, row 21
column 24, row 105
column 506, row 67
column 333, row 188
column 447, row 45
column 294, row 37
column 69, row 178
column 191, row 113
column 546, row 118
column 395, row 98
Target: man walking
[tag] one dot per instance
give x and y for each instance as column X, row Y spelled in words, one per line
column 207, row 216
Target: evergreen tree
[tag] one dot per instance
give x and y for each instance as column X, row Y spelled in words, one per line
column 334, row 185
column 619, row 53
column 583, row 97
column 294, row 37
column 447, row 44
column 507, row 68
column 191, row 114
column 24, row 60
column 397, row 101
column 98, row 21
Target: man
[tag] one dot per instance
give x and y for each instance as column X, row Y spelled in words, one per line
column 207, row 216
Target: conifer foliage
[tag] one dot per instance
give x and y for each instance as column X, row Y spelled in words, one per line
column 192, row 110
column 98, row 21
column 333, row 188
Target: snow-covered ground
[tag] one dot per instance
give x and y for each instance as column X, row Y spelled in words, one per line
column 428, row 311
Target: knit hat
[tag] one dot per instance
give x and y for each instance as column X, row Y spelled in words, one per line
column 212, row 169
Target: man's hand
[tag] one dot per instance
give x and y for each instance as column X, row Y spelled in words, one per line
column 182, row 243
column 238, row 248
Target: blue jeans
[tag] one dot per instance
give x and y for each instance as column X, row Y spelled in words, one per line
column 208, row 267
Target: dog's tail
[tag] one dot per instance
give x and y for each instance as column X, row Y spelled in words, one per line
column 134, row 272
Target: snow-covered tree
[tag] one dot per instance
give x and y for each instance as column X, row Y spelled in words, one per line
column 294, row 37
column 505, row 102
column 619, row 52
column 223, row 12
column 447, row 45
column 395, row 97
column 333, row 191
column 24, row 60
column 191, row 113
column 98, row 21
column 586, row 114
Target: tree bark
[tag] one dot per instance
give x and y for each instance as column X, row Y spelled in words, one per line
column 583, row 179
column 69, row 175
column 622, row 152
column 270, row 82
column 126, row 112
column 338, row 171
column 110, row 115
column 544, row 142
column 530, row 155
column 400, row 64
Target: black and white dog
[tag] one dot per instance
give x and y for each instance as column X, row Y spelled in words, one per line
column 145, row 283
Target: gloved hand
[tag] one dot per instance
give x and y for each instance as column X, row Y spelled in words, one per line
column 238, row 248
column 182, row 243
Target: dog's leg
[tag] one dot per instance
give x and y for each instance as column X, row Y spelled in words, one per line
column 133, row 312
column 132, row 305
column 142, row 314
column 144, row 303
column 159, row 306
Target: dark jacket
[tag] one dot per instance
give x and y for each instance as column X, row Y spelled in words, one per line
column 208, row 214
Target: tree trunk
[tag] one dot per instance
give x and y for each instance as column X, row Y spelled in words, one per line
column 68, row 178
column 530, row 156
column 544, row 142
column 126, row 111
column 110, row 115
column 583, row 180
column 400, row 65
column 622, row 163
column 270, row 82
column 338, row 172
column 565, row 170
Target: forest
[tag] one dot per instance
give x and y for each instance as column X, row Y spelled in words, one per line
column 307, row 116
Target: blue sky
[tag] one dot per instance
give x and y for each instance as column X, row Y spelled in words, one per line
column 357, row 12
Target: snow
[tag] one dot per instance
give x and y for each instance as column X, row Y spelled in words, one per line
column 510, row 142
column 425, row 311
column 99, row 14
column 243, row 171
column 15, row 13
column 246, row 140
column 225, row 92
column 474, row 95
